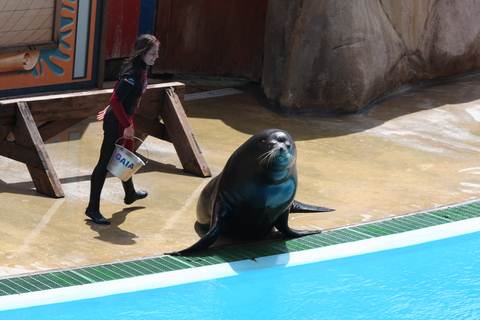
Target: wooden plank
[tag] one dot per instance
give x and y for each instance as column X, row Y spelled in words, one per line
column 83, row 94
column 78, row 105
column 7, row 115
column 68, row 108
column 26, row 135
column 151, row 127
column 52, row 128
column 4, row 131
column 181, row 135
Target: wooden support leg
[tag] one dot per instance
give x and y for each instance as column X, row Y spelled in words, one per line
column 181, row 135
column 40, row 167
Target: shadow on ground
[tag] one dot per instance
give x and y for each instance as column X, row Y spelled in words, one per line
column 250, row 113
column 113, row 233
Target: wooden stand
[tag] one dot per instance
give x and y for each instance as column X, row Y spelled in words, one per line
column 26, row 123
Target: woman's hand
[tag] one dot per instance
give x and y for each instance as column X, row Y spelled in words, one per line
column 101, row 114
column 129, row 132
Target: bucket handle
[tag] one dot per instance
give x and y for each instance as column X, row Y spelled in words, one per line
column 123, row 138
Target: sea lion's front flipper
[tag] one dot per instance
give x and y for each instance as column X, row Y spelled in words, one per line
column 282, row 226
column 303, row 207
column 208, row 239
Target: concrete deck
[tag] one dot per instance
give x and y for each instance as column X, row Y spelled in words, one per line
column 415, row 151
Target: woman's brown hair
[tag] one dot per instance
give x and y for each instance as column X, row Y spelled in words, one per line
column 134, row 63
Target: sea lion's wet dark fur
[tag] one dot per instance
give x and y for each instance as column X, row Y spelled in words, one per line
column 254, row 192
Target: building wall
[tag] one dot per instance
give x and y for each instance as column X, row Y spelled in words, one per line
column 213, row 37
column 126, row 19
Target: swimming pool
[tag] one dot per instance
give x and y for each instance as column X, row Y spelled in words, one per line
column 432, row 280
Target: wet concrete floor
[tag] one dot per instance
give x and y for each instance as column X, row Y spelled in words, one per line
column 415, row 151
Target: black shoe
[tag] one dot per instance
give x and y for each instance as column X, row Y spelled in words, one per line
column 131, row 198
column 96, row 217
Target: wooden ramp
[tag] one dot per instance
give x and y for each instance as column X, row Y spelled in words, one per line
column 25, row 123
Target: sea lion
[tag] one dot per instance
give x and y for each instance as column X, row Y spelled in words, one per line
column 254, row 192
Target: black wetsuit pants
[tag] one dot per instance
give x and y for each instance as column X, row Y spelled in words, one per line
column 110, row 134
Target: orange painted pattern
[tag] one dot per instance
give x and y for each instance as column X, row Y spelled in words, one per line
column 55, row 66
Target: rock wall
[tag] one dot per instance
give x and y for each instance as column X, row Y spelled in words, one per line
column 339, row 55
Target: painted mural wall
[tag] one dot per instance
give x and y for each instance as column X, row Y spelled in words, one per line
column 53, row 45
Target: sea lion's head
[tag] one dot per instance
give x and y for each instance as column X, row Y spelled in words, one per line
column 276, row 149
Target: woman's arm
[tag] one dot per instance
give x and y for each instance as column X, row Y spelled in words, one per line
column 122, row 90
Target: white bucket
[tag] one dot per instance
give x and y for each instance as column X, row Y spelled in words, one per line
column 124, row 163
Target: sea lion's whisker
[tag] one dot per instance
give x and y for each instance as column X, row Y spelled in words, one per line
column 262, row 157
column 272, row 154
column 265, row 156
column 269, row 155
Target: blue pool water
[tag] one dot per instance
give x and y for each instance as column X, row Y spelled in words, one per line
column 437, row 280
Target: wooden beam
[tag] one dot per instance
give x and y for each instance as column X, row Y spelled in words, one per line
column 182, row 136
column 52, row 128
column 84, row 94
column 26, row 135
column 7, row 115
column 78, row 105
column 151, row 127
column 4, row 131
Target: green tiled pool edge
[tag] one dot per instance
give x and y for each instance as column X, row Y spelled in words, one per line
column 90, row 274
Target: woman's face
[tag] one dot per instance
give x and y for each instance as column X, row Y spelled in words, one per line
column 151, row 55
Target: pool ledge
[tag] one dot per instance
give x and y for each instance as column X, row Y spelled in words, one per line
column 97, row 281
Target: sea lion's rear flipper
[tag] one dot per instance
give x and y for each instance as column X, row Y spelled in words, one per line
column 282, row 226
column 303, row 207
column 207, row 240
